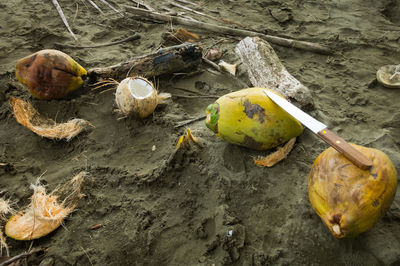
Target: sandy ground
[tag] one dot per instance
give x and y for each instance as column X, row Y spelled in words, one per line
column 156, row 211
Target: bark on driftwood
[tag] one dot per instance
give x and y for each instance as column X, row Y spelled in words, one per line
column 266, row 70
column 165, row 61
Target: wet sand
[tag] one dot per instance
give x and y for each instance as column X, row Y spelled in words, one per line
column 161, row 210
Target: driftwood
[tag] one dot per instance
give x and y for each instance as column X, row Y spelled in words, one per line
column 165, row 61
column 266, row 70
column 314, row 47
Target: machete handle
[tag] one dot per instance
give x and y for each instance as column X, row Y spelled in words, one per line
column 345, row 148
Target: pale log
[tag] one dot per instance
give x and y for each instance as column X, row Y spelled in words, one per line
column 265, row 70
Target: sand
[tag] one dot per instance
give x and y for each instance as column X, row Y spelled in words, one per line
column 209, row 206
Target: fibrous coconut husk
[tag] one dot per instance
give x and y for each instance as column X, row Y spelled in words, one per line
column 185, row 140
column 4, row 210
column 46, row 212
column 26, row 115
column 276, row 157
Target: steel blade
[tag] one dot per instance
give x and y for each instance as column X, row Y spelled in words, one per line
column 308, row 121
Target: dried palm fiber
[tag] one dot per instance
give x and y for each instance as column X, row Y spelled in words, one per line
column 274, row 158
column 26, row 115
column 4, row 209
column 46, row 212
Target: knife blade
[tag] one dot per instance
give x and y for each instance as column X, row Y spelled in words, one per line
column 322, row 131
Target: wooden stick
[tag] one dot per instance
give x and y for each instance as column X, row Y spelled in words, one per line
column 142, row 3
column 61, row 13
column 187, row 122
column 130, row 38
column 197, row 5
column 164, row 61
column 205, row 15
column 95, row 6
column 113, row 8
column 20, row 256
column 314, row 47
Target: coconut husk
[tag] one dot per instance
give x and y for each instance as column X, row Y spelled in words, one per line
column 185, row 140
column 276, row 157
column 46, row 212
column 26, row 115
column 4, row 210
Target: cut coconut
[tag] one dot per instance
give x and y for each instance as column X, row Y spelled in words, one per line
column 137, row 96
column 389, row 76
column 46, row 212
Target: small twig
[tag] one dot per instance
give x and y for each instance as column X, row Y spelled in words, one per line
column 113, row 8
column 90, row 261
column 21, row 256
column 205, row 15
column 76, row 12
column 95, row 6
column 211, row 63
column 130, row 38
column 198, row 6
column 142, row 3
column 61, row 13
column 187, row 122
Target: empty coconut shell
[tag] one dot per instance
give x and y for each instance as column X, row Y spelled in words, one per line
column 389, row 76
column 137, row 96
column 50, row 74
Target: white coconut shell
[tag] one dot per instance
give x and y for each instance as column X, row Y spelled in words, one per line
column 137, row 96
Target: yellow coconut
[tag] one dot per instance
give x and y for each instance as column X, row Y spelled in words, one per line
column 46, row 212
column 350, row 200
column 251, row 119
column 137, row 96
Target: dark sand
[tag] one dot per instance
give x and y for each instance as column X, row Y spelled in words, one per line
column 179, row 212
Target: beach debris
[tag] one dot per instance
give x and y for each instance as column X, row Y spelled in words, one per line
column 291, row 43
column 137, row 96
column 112, row 8
column 350, row 200
column 185, row 140
column 63, row 18
column 204, row 14
column 28, row 116
column 182, row 35
column 95, row 6
column 143, row 3
column 173, row 59
column 50, row 74
column 267, row 71
column 5, row 209
column 46, row 212
column 96, row 226
column 389, row 76
column 213, row 54
column 230, row 68
column 251, row 119
column 189, row 121
column 277, row 156
column 19, row 259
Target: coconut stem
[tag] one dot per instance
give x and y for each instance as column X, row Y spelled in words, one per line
column 336, row 229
